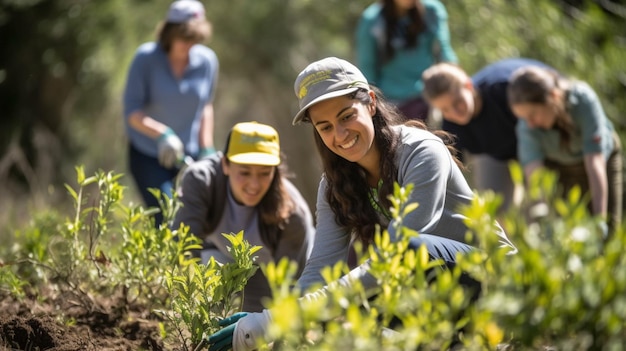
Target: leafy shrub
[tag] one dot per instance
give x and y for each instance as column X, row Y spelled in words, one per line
column 106, row 248
column 563, row 289
column 201, row 294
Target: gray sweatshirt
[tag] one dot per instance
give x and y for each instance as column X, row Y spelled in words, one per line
column 439, row 189
column 209, row 210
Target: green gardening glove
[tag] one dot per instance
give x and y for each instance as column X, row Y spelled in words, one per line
column 223, row 339
column 206, row 152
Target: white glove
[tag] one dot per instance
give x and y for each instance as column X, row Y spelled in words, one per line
column 249, row 329
column 171, row 149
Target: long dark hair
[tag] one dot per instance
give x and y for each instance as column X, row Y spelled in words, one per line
column 534, row 85
column 416, row 26
column 347, row 182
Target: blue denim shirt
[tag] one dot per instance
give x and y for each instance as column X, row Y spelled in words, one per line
column 177, row 103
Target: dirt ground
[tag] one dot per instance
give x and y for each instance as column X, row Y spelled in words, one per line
column 60, row 324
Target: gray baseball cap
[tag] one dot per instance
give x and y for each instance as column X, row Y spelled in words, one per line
column 324, row 79
column 181, row 11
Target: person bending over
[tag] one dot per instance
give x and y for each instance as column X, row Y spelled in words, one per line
column 476, row 111
column 563, row 127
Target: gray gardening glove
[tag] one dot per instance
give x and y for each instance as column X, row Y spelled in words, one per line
column 171, row 149
column 251, row 329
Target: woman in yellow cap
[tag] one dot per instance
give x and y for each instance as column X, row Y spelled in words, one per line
column 245, row 188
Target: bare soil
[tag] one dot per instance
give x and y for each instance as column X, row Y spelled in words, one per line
column 60, row 323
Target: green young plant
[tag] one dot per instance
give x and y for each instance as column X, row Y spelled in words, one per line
column 147, row 253
column 203, row 294
column 423, row 303
column 191, row 289
column 104, row 246
column 565, row 286
column 75, row 257
column 30, row 247
column 235, row 275
column 168, row 206
column 10, row 283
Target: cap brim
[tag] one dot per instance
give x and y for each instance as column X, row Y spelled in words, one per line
column 300, row 115
column 255, row 158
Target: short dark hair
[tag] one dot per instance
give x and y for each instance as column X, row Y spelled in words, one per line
column 197, row 30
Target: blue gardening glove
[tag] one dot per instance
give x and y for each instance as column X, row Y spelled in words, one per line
column 206, row 152
column 171, row 149
column 223, row 339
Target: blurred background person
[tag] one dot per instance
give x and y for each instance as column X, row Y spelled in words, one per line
column 476, row 110
column 396, row 40
column 563, row 127
column 168, row 100
column 246, row 188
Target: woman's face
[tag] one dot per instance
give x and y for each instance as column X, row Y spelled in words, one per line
column 404, row 4
column 249, row 183
column 457, row 107
column 345, row 126
column 536, row 115
column 180, row 47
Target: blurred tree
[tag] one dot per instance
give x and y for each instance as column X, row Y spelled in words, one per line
column 52, row 77
column 64, row 63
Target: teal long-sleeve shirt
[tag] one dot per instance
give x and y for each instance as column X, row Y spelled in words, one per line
column 400, row 78
column 593, row 132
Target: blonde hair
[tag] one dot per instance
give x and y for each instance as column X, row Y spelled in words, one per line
column 441, row 79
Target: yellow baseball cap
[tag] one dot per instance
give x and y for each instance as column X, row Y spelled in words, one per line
column 254, row 143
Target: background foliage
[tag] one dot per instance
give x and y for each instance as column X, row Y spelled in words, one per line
column 562, row 289
column 64, row 64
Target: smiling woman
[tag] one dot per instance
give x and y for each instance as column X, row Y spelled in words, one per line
column 364, row 152
column 245, row 188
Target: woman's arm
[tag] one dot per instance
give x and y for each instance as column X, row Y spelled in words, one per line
column 205, row 139
column 136, row 95
column 206, row 128
column 439, row 187
column 595, row 165
column 588, row 113
column 330, row 244
column 144, row 124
